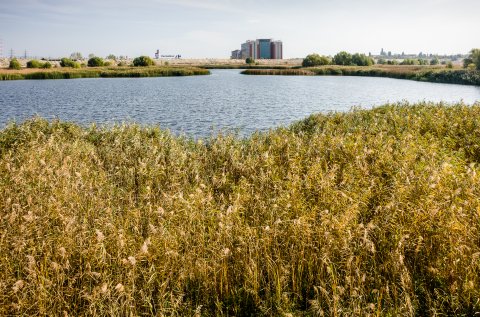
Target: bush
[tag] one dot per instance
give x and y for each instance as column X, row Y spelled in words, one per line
column 15, row 64
column 434, row 61
column 95, row 62
column 67, row 62
column 122, row 63
column 475, row 57
column 343, row 58
column 34, row 64
column 316, row 60
column 449, row 64
column 250, row 61
column 47, row 65
column 143, row 61
column 409, row 61
column 362, row 60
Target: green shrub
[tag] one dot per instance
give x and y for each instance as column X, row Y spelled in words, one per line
column 34, row 64
column 67, row 62
column 316, row 60
column 342, row 58
column 249, row 61
column 107, row 64
column 47, row 65
column 475, row 57
column 449, row 64
column 362, row 60
column 434, row 61
column 143, row 61
column 409, row 61
column 95, row 62
column 471, row 66
column 15, row 64
column 122, row 63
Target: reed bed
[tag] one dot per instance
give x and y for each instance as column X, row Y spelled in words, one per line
column 365, row 213
column 103, row 72
column 436, row 74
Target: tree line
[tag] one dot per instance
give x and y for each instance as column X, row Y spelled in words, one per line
column 342, row 58
column 346, row 59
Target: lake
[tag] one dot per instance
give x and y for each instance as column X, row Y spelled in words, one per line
column 225, row 100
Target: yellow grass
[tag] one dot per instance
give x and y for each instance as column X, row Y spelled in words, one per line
column 367, row 213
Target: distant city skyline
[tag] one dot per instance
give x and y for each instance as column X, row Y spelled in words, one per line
column 211, row 28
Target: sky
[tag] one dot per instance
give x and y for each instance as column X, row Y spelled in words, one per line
column 213, row 28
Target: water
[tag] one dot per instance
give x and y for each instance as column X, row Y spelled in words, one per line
column 225, row 100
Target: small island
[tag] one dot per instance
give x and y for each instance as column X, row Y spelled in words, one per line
column 96, row 67
column 345, row 64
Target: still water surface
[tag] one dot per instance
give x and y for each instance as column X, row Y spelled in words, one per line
column 225, row 100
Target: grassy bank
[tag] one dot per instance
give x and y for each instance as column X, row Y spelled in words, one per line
column 419, row 73
column 101, row 72
column 364, row 213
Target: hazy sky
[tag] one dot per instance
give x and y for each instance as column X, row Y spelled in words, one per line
column 213, row 28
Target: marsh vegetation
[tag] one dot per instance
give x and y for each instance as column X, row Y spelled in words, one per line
column 370, row 212
column 101, row 72
column 438, row 74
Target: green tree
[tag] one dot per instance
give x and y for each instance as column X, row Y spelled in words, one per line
column 15, row 64
column 409, row 61
column 47, row 65
column 467, row 61
column 95, row 62
column 143, row 61
column 362, row 60
column 475, row 57
column 316, row 60
column 112, row 57
column 342, row 58
column 434, row 61
column 249, row 61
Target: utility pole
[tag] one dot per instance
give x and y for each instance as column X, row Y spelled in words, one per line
column 11, row 53
column 25, row 56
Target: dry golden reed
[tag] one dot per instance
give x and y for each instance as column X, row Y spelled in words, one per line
column 365, row 213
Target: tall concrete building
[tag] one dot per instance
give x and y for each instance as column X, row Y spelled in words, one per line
column 262, row 49
column 249, row 49
column 276, row 49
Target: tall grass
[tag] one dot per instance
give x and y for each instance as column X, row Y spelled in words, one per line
column 419, row 73
column 102, row 72
column 371, row 212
